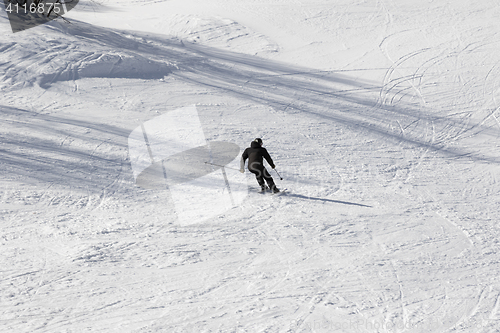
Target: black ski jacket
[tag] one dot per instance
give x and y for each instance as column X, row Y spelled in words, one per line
column 255, row 155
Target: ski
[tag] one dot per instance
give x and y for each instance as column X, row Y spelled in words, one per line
column 280, row 192
column 267, row 190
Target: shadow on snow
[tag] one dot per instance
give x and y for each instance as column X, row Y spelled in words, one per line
column 305, row 197
column 323, row 95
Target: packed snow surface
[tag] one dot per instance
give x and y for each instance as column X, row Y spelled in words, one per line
column 382, row 118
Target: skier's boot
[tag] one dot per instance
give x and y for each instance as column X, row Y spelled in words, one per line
column 275, row 189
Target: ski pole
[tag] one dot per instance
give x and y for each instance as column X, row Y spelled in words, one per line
column 222, row 166
column 281, row 178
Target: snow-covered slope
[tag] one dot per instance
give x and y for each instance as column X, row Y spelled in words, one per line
column 381, row 117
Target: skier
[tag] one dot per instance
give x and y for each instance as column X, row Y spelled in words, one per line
column 255, row 155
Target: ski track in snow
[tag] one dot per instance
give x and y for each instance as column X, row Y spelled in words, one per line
column 391, row 162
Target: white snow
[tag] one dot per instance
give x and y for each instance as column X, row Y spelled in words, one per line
column 382, row 117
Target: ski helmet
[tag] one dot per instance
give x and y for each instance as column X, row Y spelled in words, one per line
column 259, row 141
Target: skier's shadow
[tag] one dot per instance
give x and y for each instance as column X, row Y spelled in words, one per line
column 326, row 200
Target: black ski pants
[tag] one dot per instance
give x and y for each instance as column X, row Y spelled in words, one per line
column 261, row 174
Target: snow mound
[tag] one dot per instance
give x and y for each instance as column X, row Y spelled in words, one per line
column 121, row 66
column 47, row 58
column 221, row 33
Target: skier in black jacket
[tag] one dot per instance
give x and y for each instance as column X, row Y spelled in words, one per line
column 255, row 155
